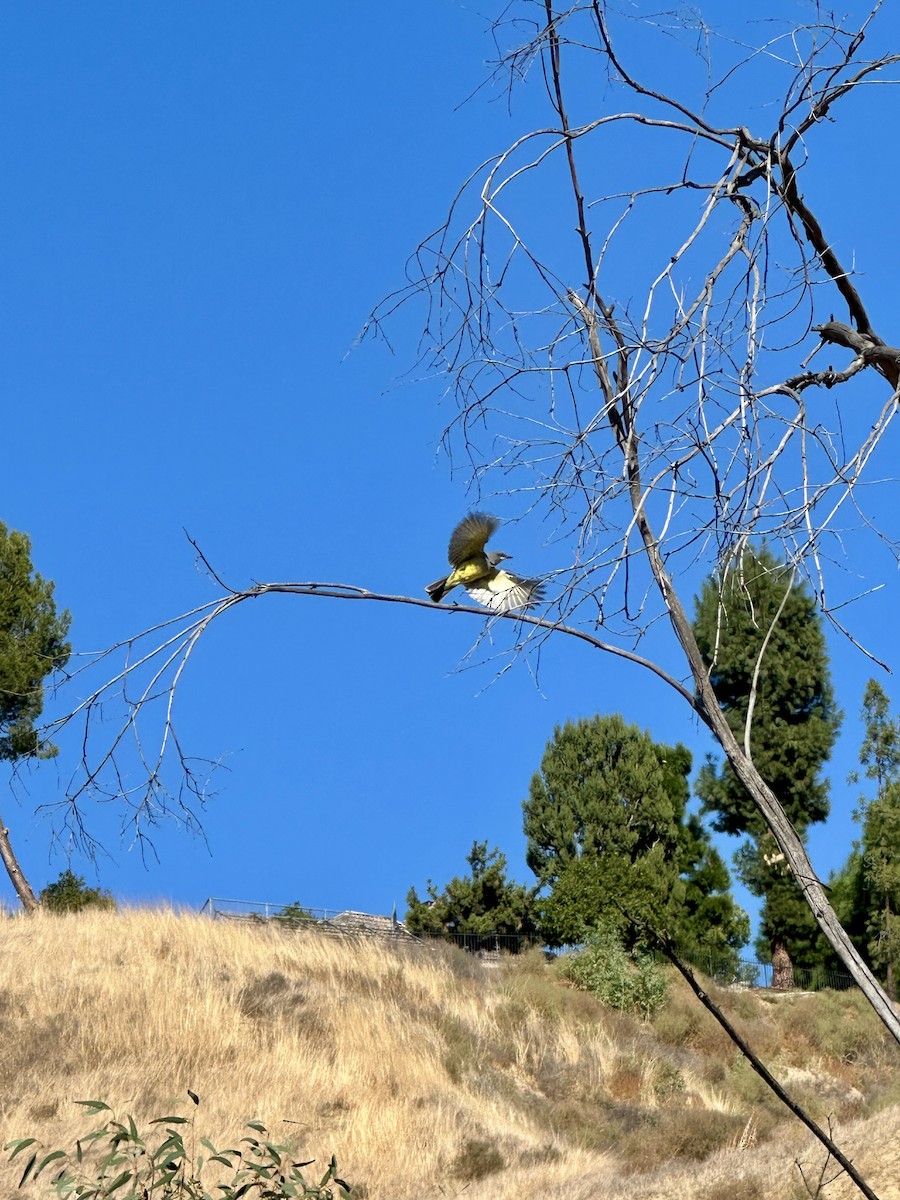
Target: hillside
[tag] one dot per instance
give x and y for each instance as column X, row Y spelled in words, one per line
column 425, row 1073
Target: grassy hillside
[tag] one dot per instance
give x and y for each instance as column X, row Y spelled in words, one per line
column 426, row 1073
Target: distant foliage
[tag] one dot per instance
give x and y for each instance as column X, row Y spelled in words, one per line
column 70, row 893
column 633, row 982
column 610, row 837
column 761, row 635
column 32, row 645
column 117, row 1159
column 294, row 914
column 485, row 902
column 867, row 889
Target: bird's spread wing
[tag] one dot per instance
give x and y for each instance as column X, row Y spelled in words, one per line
column 469, row 537
column 505, row 591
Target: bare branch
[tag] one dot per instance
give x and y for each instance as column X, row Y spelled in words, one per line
column 663, row 441
column 834, row 1151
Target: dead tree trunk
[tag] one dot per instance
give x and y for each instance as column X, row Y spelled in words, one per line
column 24, row 891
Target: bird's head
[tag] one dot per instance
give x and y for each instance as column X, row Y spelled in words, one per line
column 497, row 556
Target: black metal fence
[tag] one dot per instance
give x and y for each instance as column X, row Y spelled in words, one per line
column 751, row 973
column 486, row 943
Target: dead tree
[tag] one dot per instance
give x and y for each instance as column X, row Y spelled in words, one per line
column 632, row 355
column 632, row 358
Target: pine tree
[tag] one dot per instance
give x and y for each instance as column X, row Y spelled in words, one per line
column 32, row 646
column 608, row 834
column 476, row 905
column 760, row 633
column 712, row 928
column 871, row 878
column 70, row 893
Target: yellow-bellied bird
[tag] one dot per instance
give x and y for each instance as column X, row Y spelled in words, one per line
column 477, row 570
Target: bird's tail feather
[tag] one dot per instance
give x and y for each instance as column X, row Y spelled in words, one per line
column 436, row 590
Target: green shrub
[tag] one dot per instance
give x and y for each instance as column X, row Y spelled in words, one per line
column 633, row 982
column 71, row 894
column 117, row 1160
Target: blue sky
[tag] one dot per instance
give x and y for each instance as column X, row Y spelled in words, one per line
column 200, row 204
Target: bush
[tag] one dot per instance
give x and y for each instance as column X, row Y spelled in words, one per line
column 476, row 1160
column 117, row 1160
column 633, row 982
column 71, row 894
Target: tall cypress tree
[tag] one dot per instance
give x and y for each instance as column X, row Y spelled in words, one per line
column 761, row 635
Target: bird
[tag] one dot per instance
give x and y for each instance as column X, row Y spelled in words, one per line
column 477, row 570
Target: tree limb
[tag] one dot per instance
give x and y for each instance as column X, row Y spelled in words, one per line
column 761, row 1069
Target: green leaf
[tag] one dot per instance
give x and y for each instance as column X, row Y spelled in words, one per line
column 94, row 1134
column 27, row 1170
column 172, row 1142
column 95, row 1106
column 49, row 1158
column 329, row 1174
column 20, row 1144
column 193, row 1096
column 170, row 1121
column 117, row 1182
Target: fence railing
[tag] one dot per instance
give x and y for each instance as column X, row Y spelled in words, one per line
column 751, row 973
column 486, row 943
column 348, row 923
column 351, row 923
column 339, row 921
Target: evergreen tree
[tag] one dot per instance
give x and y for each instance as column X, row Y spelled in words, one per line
column 70, row 893
column 32, row 646
column 603, row 788
column 761, row 635
column 712, row 928
column 483, row 903
column 609, row 836
column 868, row 887
column 881, row 868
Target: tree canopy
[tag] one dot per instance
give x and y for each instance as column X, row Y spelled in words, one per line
column 760, row 633
column 608, row 834
column 32, row 646
column 603, row 788
column 485, row 902
column 867, row 889
column 70, row 893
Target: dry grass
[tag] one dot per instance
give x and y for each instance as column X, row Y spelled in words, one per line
column 425, row 1073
